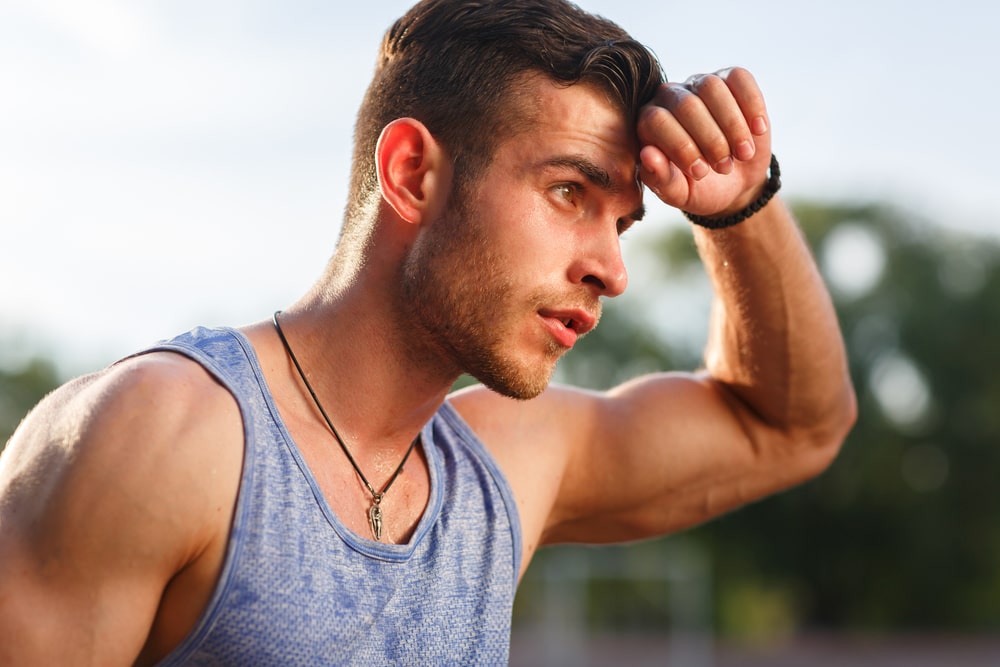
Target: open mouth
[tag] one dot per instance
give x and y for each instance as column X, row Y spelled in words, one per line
column 578, row 321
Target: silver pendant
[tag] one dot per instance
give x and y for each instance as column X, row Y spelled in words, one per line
column 375, row 520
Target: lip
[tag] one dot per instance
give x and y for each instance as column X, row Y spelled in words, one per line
column 566, row 326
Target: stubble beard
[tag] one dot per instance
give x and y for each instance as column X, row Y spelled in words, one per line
column 458, row 294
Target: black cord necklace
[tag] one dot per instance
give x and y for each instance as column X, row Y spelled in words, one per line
column 375, row 511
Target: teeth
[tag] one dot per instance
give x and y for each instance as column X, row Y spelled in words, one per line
column 567, row 322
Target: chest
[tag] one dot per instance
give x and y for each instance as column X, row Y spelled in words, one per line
column 401, row 485
column 302, row 579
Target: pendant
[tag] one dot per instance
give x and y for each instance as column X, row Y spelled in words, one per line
column 375, row 518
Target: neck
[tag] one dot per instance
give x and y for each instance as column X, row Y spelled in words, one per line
column 374, row 378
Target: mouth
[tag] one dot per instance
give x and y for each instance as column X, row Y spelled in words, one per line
column 569, row 325
column 580, row 325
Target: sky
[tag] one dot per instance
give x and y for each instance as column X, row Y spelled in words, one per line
column 171, row 163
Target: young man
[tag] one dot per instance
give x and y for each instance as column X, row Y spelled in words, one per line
column 240, row 497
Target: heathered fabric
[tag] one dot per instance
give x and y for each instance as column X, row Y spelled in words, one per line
column 299, row 588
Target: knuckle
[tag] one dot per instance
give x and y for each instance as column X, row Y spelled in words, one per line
column 740, row 72
column 652, row 120
column 670, row 92
column 686, row 152
column 688, row 105
column 739, row 77
column 716, row 148
column 695, row 78
column 736, row 129
column 709, row 84
column 652, row 113
column 663, row 89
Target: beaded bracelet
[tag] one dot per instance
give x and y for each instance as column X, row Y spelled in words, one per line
column 771, row 187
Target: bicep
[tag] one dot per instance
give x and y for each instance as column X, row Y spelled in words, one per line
column 93, row 525
column 66, row 578
column 62, row 602
column 666, row 452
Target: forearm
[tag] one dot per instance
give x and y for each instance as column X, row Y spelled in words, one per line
column 775, row 347
column 774, row 340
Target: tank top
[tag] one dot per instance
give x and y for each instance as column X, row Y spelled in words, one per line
column 299, row 588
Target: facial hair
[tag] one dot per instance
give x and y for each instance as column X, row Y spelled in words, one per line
column 458, row 293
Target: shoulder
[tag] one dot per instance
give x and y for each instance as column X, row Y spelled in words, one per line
column 114, row 484
column 154, row 414
column 129, row 448
column 534, row 443
column 548, row 420
column 149, row 399
column 575, row 457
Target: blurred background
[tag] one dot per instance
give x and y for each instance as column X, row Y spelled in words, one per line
column 170, row 164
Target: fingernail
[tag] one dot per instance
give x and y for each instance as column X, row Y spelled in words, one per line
column 759, row 125
column 744, row 150
column 724, row 166
column 699, row 170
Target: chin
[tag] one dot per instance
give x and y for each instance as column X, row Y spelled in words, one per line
column 521, row 392
column 518, row 381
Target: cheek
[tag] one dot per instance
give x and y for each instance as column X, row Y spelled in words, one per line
column 536, row 242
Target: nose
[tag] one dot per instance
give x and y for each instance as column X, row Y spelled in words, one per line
column 601, row 266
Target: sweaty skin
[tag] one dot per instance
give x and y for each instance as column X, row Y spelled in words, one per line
column 117, row 492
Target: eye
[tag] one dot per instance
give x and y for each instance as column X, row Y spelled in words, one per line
column 568, row 192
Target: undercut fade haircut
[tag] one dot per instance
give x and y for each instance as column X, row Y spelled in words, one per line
column 454, row 65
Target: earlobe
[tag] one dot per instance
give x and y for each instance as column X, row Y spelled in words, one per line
column 410, row 164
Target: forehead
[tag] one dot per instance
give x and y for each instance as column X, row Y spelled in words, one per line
column 577, row 120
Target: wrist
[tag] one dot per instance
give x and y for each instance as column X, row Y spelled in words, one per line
column 770, row 188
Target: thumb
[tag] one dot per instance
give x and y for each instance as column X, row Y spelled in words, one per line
column 663, row 177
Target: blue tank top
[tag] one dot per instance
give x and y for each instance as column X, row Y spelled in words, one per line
column 299, row 588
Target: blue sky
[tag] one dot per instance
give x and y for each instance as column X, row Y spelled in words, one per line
column 168, row 163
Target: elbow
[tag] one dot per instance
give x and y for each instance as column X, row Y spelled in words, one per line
column 825, row 435
column 843, row 416
column 849, row 412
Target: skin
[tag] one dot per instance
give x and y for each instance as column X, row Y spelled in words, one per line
column 116, row 493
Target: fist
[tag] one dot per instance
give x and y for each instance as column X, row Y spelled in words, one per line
column 706, row 143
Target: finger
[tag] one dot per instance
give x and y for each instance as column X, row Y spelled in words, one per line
column 720, row 101
column 748, row 96
column 663, row 177
column 660, row 125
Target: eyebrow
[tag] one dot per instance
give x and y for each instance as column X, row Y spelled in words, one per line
column 596, row 176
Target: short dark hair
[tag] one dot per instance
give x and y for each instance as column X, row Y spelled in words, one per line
column 453, row 65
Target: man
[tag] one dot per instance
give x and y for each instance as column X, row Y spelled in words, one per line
column 240, row 497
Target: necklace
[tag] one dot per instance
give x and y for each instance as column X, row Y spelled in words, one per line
column 375, row 511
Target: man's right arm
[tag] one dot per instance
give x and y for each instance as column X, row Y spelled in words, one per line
column 111, row 487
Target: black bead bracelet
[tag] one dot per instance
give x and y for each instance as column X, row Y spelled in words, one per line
column 771, row 187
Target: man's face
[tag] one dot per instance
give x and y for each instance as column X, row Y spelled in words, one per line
column 508, row 279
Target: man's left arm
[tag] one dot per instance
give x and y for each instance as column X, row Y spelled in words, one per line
column 774, row 344
column 775, row 399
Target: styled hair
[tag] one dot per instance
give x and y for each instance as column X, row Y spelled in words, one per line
column 454, row 65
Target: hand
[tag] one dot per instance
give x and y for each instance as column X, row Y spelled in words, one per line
column 706, row 143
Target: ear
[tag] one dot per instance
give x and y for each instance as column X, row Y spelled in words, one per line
column 413, row 169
